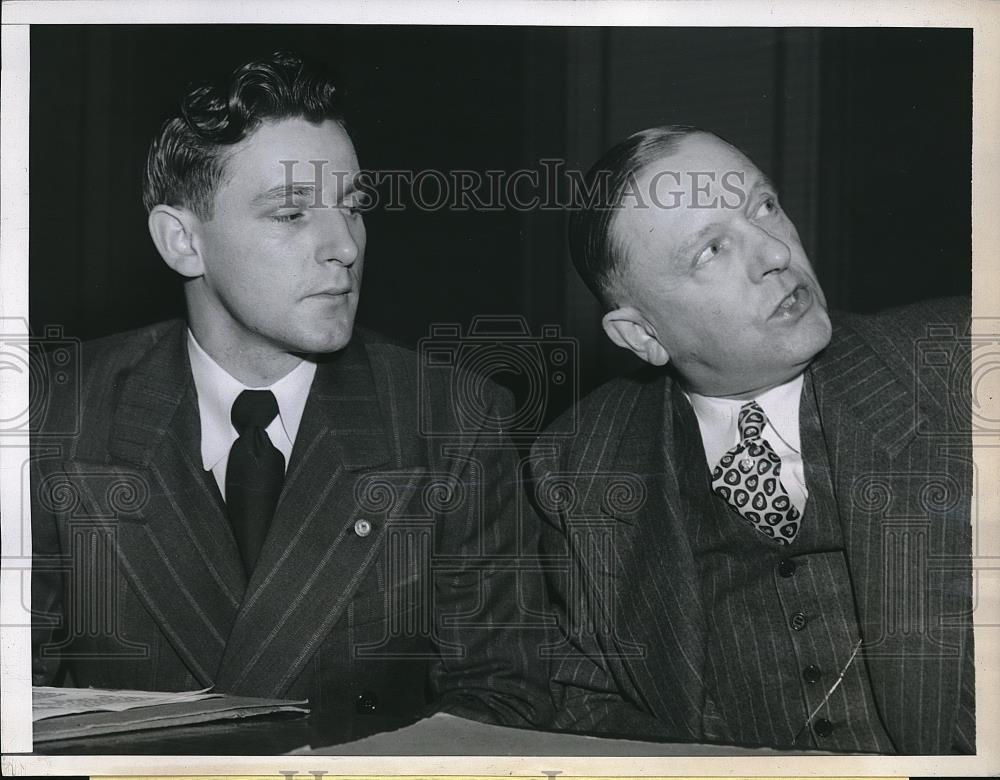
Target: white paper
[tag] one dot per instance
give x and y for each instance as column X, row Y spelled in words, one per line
column 52, row 702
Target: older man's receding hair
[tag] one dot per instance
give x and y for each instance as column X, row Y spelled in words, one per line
column 597, row 254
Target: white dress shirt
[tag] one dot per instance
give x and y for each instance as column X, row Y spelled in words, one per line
column 217, row 390
column 718, row 420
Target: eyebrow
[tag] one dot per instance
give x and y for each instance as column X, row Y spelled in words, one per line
column 763, row 183
column 282, row 193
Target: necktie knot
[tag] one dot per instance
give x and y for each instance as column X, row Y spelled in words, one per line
column 255, row 473
column 751, row 421
column 254, row 409
column 749, row 478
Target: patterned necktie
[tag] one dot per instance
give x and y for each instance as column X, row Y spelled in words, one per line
column 254, row 474
column 749, row 478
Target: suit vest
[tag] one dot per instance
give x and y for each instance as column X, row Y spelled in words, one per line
column 781, row 619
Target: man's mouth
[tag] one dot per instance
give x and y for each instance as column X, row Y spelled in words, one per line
column 333, row 292
column 793, row 305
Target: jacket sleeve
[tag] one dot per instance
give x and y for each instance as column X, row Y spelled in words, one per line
column 48, row 624
column 46, row 593
column 493, row 621
column 588, row 683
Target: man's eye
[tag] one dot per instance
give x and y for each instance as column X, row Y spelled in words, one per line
column 709, row 252
column 767, row 207
column 287, row 218
column 358, row 204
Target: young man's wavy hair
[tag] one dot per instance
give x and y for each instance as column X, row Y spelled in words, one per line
column 187, row 158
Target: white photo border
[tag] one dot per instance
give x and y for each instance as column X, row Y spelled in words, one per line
column 981, row 16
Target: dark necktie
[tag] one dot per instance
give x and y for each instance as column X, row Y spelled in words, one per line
column 749, row 478
column 254, row 474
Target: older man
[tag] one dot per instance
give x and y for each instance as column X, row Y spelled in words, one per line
column 790, row 563
column 247, row 499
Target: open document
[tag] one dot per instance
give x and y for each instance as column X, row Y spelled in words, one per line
column 55, row 702
column 70, row 713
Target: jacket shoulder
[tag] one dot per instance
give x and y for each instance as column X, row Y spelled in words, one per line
column 900, row 336
column 385, row 349
column 126, row 348
column 450, row 397
column 913, row 321
column 79, row 379
column 606, row 410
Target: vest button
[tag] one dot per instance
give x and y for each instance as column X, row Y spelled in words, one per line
column 362, row 528
column 811, row 674
column 786, row 568
column 823, row 727
column 797, row 621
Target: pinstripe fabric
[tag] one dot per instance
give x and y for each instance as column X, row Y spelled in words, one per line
column 122, row 508
column 900, row 474
column 752, row 609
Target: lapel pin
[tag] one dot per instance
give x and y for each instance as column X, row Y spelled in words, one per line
column 362, row 528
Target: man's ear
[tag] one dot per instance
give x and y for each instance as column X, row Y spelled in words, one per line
column 172, row 231
column 627, row 328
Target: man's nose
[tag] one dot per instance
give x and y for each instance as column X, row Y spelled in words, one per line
column 770, row 255
column 340, row 242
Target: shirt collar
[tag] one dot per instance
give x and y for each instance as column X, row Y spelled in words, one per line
column 717, row 417
column 217, row 389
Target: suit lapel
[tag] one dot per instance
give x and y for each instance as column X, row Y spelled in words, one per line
column 176, row 547
column 856, row 394
column 652, row 547
column 880, row 473
column 312, row 560
column 856, row 385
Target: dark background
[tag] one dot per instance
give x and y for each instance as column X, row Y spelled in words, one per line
column 866, row 132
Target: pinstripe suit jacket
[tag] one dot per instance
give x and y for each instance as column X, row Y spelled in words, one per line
column 137, row 580
column 890, row 390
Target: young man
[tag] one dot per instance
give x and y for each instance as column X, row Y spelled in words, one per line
column 247, row 501
column 793, row 566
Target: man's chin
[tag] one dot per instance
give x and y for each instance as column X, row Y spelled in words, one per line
column 810, row 334
column 782, row 362
column 821, row 331
column 324, row 343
